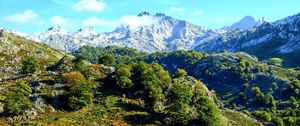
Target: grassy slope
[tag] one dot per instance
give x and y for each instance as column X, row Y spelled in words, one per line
column 14, row 49
column 114, row 110
column 238, row 119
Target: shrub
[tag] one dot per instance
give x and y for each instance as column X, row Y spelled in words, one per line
column 180, row 95
column 17, row 100
column 180, row 73
column 208, row 113
column 107, row 60
column 277, row 121
column 30, row 65
column 122, row 77
column 275, row 61
column 73, row 78
column 262, row 115
column 79, row 96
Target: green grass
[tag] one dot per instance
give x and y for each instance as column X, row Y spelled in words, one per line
column 110, row 110
column 238, row 119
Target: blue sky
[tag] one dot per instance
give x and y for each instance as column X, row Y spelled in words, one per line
column 37, row 15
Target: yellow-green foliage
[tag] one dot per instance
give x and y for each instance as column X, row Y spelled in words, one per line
column 73, row 78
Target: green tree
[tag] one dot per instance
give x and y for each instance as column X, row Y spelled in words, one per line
column 30, row 65
column 73, row 78
column 79, row 96
column 180, row 96
column 180, row 73
column 277, row 121
column 122, row 77
column 162, row 75
column 148, row 84
column 262, row 115
column 108, row 60
column 17, row 100
column 208, row 113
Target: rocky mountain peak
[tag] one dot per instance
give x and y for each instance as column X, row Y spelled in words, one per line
column 54, row 28
column 145, row 13
column 86, row 31
column 245, row 23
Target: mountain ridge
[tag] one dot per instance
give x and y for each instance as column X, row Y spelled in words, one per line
column 278, row 39
column 164, row 34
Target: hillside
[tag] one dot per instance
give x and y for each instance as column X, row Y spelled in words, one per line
column 71, row 91
column 146, row 94
column 239, row 80
column 14, row 49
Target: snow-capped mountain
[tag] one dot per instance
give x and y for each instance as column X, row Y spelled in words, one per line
column 246, row 23
column 153, row 33
column 277, row 39
column 85, row 32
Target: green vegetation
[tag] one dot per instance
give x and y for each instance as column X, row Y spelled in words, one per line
column 246, row 83
column 107, row 60
column 121, row 55
column 275, row 61
column 17, row 100
column 16, row 49
column 133, row 88
column 30, row 65
column 180, row 73
column 79, row 96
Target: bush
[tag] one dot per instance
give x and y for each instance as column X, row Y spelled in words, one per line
column 122, row 77
column 180, row 73
column 262, row 115
column 180, row 96
column 107, row 60
column 79, row 96
column 246, row 112
column 277, row 121
column 30, row 65
column 208, row 113
column 17, row 100
column 73, row 78
column 275, row 61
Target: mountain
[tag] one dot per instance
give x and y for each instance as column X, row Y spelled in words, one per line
column 152, row 33
column 278, row 39
column 246, row 23
column 14, row 49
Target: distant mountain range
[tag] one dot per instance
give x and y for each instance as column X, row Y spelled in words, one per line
column 166, row 34
column 277, row 39
column 258, row 37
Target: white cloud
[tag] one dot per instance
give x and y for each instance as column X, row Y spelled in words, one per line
column 95, row 21
column 28, row 16
column 89, row 5
column 179, row 10
column 57, row 20
column 60, row 21
column 197, row 13
column 130, row 20
column 136, row 21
